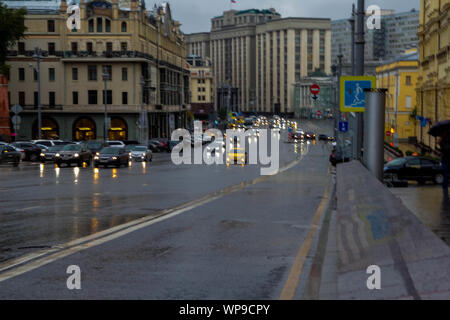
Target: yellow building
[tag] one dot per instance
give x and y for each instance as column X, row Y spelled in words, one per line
column 202, row 87
column 433, row 87
column 399, row 77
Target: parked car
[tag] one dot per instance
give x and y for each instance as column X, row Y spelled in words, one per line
column 420, row 169
column 32, row 151
column 49, row 155
column 116, row 144
column 338, row 156
column 73, row 153
column 9, row 155
column 141, row 153
column 111, row 156
column 47, row 143
column 156, row 146
column 323, row 137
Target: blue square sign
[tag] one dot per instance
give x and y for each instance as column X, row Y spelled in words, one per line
column 343, row 126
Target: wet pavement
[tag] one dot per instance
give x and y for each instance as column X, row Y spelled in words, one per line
column 227, row 233
column 429, row 205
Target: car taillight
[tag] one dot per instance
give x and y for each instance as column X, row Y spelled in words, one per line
column 332, row 155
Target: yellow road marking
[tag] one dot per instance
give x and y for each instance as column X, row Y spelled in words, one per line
column 291, row 284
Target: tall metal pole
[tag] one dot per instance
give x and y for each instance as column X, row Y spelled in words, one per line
column 105, row 127
column 359, row 71
column 352, row 28
column 337, row 114
column 142, row 120
column 373, row 157
column 37, row 55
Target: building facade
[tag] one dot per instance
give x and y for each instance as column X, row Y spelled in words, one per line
column 202, row 88
column 140, row 53
column 257, row 56
column 433, row 87
column 398, row 33
column 399, row 77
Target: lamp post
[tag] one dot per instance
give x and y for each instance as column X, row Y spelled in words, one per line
column 143, row 117
column 105, row 76
column 38, row 56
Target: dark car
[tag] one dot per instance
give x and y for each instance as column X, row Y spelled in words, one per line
column 420, row 169
column 32, row 151
column 49, row 154
column 73, row 153
column 164, row 142
column 310, row 135
column 337, row 156
column 111, row 156
column 9, row 155
column 323, row 137
column 156, row 146
column 95, row 146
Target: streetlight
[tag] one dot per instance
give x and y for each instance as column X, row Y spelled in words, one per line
column 105, row 76
column 38, row 56
column 143, row 117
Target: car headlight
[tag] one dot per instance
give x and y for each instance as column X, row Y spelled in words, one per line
column 114, row 158
column 143, row 154
column 97, row 154
column 76, row 155
column 96, row 158
column 42, row 155
column 57, row 155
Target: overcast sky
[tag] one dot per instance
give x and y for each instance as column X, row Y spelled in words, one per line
column 195, row 15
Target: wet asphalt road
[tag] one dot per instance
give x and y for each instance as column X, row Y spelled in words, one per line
column 241, row 245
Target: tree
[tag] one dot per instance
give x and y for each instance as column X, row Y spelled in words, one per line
column 12, row 28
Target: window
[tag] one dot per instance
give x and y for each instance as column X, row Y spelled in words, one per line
column 50, row 25
column 21, row 47
column 124, row 27
column 124, row 97
column 51, row 98
column 408, row 102
column 51, row 48
column 107, row 25
column 35, row 75
column 89, row 47
column 108, row 70
column 22, row 74
column 74, row 73
column 99, row 25
column 51, row 74
column 92, row 73
column 75, row 97
column 123, row 46
column 91, row 25
column 109, row 47
column 108, row 96
column 22, row 98
column 74, row 46
column 92, row 96
column 35, row 98
column 124, row 74
column 408, row 80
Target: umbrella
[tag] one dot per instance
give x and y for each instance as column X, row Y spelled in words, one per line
column 440, row 128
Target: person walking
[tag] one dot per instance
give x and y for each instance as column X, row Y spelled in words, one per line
column 444, row 144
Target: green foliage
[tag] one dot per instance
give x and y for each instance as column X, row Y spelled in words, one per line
column 12, row 28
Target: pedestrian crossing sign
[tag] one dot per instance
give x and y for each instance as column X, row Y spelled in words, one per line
column 352, row 92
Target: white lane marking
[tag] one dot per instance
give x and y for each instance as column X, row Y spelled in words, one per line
column 116, row 232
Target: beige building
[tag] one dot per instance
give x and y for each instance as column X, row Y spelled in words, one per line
column 433, row 87
column 142, row 52
column 257, row 56
column 202, row 87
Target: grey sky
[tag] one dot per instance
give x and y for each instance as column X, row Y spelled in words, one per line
column 195, row 15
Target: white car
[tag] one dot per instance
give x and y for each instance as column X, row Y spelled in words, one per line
column 116, row 144
column 47, row 143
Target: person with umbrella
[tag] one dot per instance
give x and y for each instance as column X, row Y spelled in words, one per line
column 442, row 130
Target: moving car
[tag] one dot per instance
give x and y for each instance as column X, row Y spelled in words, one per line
column 49, row 155
column 111, row 156
column 32, row 151
column 238, row 156
column 310, row 135
column 116, row 144
column 95, row 146
column 74, row 153
column 141, row 153
column 420, row 169
column 323, row 137
column 47, row 143
column 9, row 155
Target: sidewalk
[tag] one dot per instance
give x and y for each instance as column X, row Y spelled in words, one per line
column 373, row 227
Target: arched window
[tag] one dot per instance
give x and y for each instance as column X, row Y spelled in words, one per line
column 49, row 128
column 99, row 25
column 118, row 129
column 124, row 27
column 107, row 25
column 84, row 129
column 91, row 25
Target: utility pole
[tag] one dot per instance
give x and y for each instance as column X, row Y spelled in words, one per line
column 352, row 28
column 143, row 117
column 38, row 56
column 337, row 114
column 105, row 128
column 359, row 71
